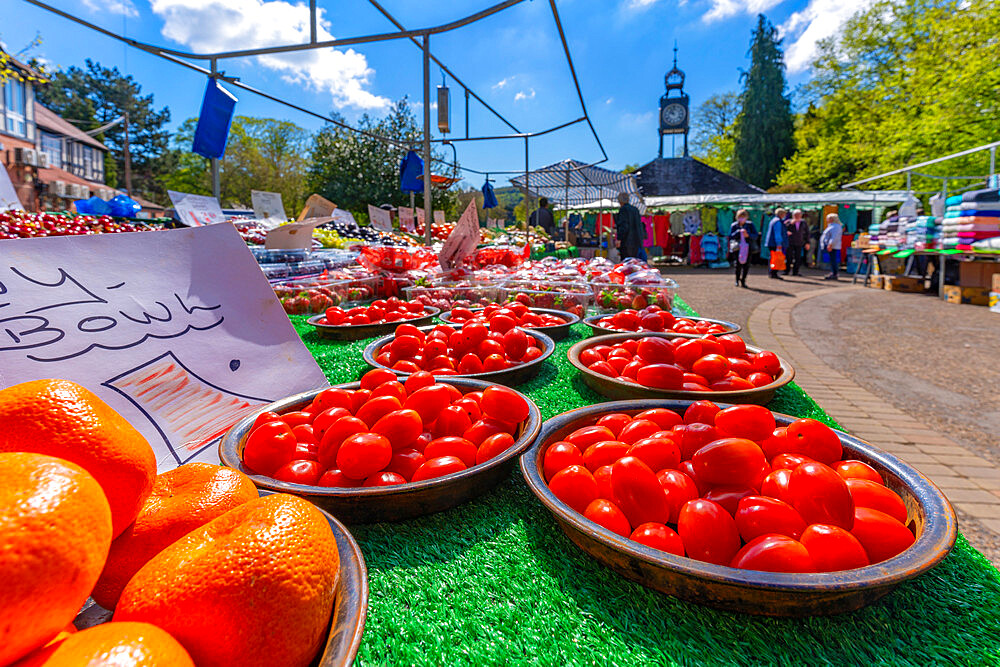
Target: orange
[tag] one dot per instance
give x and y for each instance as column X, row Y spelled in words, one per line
column 61, row 418
column 183, row 499
column 253, row 587
column 55, row 532
column 112, row 645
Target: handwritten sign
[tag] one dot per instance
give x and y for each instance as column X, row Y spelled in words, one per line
column 462, row 240
column 405, row 218
column 177, row 330
column 316, row 207
column 380, row 218
column 196, row 210
column 420, row 217
column 8, row 195
column 294, row 235
column 267, row 208
column 439, row 217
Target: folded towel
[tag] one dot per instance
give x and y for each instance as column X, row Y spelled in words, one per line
column 984, row 195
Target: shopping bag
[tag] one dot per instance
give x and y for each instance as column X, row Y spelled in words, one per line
column 778, row 260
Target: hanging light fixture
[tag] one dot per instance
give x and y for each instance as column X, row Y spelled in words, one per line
column 444, row 107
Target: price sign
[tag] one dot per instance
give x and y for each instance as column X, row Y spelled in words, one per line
column 406, row 218
column 196, row 210
column 267, row 208
column 380, row 218
column 463, row 239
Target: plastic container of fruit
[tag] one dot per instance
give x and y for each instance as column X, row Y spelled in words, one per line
column 612, row 297
column 315, row 295
column 555, row 332
column 622, row 389
column 510, row 377
column 387, row 503
column 597, row 330
column 930, row 517
column 361, row 331
column 350, row 605
column 447, row 295
column 570, row 296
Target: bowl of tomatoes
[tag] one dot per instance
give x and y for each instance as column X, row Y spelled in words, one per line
column 654, row 319
column 553, row 323
column 666, row 365
column 506, row 356
column 385, row 448
column 376, row 319
column 736, row 507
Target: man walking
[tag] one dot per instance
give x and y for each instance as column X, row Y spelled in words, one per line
column 831, row 241
column 775, row 238
column 629, row 228
column 797, row 233
column 543, row 218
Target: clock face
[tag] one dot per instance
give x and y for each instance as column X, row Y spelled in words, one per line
column 673, row 114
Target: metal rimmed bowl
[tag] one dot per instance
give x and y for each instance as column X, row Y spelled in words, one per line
column 616, row 388
column 360, row 331
column 350, row 605
column 930, row 516
column 511, row 377
column 555, row 332
column 386, row 503
column 597, row 330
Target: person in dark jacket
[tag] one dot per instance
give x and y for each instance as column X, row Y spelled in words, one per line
column 776, row 238
column 742, row 237
column 797, row 233
column 543, row 218
column 629, row 229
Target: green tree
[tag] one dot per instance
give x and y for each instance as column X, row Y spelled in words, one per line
column 97, row 95
column 763, row 136
column 631, row 168
column 353, row 170
column 714, row 127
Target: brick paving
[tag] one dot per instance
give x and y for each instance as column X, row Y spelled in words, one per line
column 970, row 482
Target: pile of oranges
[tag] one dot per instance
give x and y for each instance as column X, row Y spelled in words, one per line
column 197, row 568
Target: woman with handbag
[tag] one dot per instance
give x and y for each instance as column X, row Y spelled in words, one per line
column 742, row 237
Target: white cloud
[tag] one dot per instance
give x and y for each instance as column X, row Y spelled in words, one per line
column 724, row 9
column 120, row 7
column 639, row 5
column 229, row 25
column 522, row 95
column 609, row 100
column 502, row 83
column 820, row 19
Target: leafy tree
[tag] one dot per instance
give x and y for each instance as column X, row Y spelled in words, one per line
column 98, row 95
column 630, row 168
column 261, row 154
column 714, row 126
column 763, row 135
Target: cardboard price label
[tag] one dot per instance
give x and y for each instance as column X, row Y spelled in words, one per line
column 196, row 210
column 294, row 235
column 267, row 208
column 463, row 239
column 380, row 218
column 406, row 218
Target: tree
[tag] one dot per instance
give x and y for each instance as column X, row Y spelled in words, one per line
column 353, row 170
column 261, row 154
column 714, row 126
column 763, row 136
column 97, row 95
column 630, row 168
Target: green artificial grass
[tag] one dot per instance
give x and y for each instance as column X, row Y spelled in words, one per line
column 495, row 581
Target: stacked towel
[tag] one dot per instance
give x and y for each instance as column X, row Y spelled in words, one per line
column 973, row 220
column 921, row 233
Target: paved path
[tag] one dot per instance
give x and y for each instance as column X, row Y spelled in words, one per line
column 970, row 482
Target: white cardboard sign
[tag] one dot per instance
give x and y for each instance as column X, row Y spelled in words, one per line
column 380, row 218
column 462, row 240
column 196, row 210
column 179, row 331
column 8, row 196
column 405, row 218
column 294, row 235
column 439, row 217
column 420, row 217
column 267, row 208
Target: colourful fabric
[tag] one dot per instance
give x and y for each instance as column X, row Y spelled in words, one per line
column 694, row 251
column 650, row 240
column 661, row 230
column 709, row 217
column 692, row 222
column 677, row 223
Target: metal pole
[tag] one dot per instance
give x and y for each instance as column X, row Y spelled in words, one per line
column 527, row 200
column 993, row 160
column 312, row 21
column 216, row 181
column 428, row 217
column 128, row 160
column 466, row 113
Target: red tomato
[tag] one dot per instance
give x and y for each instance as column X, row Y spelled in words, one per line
column 692, row 437
column 589, row 357
column 820, row 495
column 376, row 408
column 651, row 322
column 504, row 404
column 603, row 453
column 655, row 350
column 494, row 446
column 502, row 323
column 363, row 454
column 404, row 347
column 775, row 485
column 766, row 362
column 604, row 368
column 729, row 497
column 335, row 435
column 603, row 478
column 760, row 379
column 405, row 462
column 575, row 486
column 330, row 398
column 708, row 531
column 294, row 419
column 385, row 478
column 788, row 461
column 753, row 422
column 428, row 402
column 778, row 443
column 399, row 427
column 733, row 345
column 882, row 536
column 439, row 467
column 660, row 376
column 471, row 365
column 710, row 345
column 560, row 455
column 847, row 470
column 453, row 420
column 452, row 446
column 638, row 492
column 515, row 342
column 614, row 422
column 270, row 446
column 417, row 381
column 816, row 440
column 606, row 514
column 712, row 367
column 741, row 367
column 679, row 488
column 269, row 416
column 375, row 377
column 485, row 428
column 471, row 408
column 334, row 477
column 638, row 429
column 833, row 548
column 728, row 461
column 687, row 352
column 701, row 412
column 306, row 450
column 760, row 515
column 659, row 453
column 774, row 553
column 299, row 472
column 494, row 362
column 659, row 536
column 589, row 435
column 325, row 419
column 304, row 433
column 664, row 418
column 877, row 497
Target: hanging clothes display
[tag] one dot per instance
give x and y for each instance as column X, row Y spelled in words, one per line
column 649, row 241
column 677, row 223
column 694, row 251
column 724, row 220
column 692, row 222
column 661, row 231
column 708, row 220
column 710, row 248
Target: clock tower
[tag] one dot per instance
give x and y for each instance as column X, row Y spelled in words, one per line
column 674, row 115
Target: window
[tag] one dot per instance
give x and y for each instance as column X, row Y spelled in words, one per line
column 14, row 101
column 52, row 146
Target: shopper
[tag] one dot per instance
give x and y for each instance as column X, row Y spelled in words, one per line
column 543, row 218
column 830, row 241
column 776, row 240
column 629, row 228
column 797, row 233
column 742, row 237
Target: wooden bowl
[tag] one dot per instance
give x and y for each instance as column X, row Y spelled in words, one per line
column 511, row 377
column 731, row 327
column 555, row 332
column 386, row 503
column 930, row 515
column 616, row 388
column 360, row 331
column 350, row 607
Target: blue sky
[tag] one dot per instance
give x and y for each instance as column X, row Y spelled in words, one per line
column 621, row 48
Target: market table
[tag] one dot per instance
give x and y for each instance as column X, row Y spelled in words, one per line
column 496, row 581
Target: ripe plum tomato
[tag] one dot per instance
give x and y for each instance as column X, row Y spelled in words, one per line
column 575, row 486
column 637, row 429
column 270, row 446
column 603, row 453
column 325, row 419
column 854, row 470
column 504, row 404
column 589, row 357
column 375, row 377
column 405, row 462
column 494, row 446
column 729, row 496
column 712, row 367
column 485, row 428
column 775, row 485
column 335, row 435
column 589, row 435
column 330, row 398
column 692, row 437
column 658, row 452
column 659, row 536
column 638, row 492
column 606, row 514
column 452, row 446
column 298, row 418
column 778, row 443
column 655, row 350
column 728, row 461
column 687, row 353
column 660, row 376
column 760, row 379
column 471, row 408
column 614, row 422
column 385, row 478
column 820, row 495
column 376, row 408
column 760, row 515
column 708, row 531
column 299, row 472
column 428, row 402
column 418, row 380
column 453, row 420
column 679, row 489
column 304, row 433
column 701, row 412
column 515, row 342
column 833, row 548
column 877, row 497
column 393, row 388
column 560, row 455
column 753, row 422
column 399, row 427
column 334, row 477
column 363, row 454
column 733, row 345
column 774, row 553
column 604, row 368
column 882, row 536
column 664, row 418
column 788, row 461
column 815, row 440
column 766, row 362
column 269, row 416
column 439, row 467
